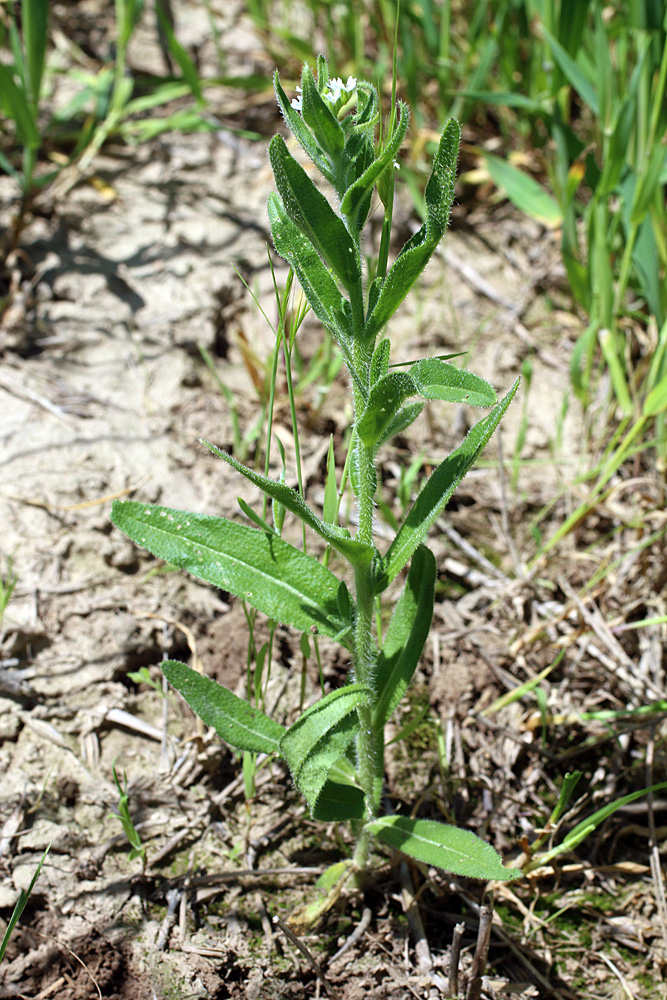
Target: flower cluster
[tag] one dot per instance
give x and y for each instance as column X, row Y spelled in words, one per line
column 336, row 88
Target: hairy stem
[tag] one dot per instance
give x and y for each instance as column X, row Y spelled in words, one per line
column 370, row 741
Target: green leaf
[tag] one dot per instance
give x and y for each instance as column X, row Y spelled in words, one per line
column 14, row 104
column 330, row 504
column 401, row 419
column 234, row 720
column 318, row 116
column 185, row 63
column 583, row 829
column 570, row 782
column 446, row 847
column 312, row 213
column 573, row 74
column 506, row 98
column 339, row 802
column 255, row 518
column 524, row 192
column 588, row 825
column 648, row 183
column 656, row 401
column 274, row 576
column 439, row 193
column 320, row 737
column 380, row 361
column 21, row 903
column 430, row 378
column 435, row 379
column 35, row 21
column 439, row 487
column 358, row 553
column 318, row 286
column 384, row 400
column 301, row 131
column 357, row 193
column 419, row 249
column 406, row 634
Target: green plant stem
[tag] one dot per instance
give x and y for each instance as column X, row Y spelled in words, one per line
column 370, row 740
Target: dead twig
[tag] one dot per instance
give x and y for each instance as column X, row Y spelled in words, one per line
column 474, row 989
column 356, row 934
column 411, row 909
column 454, row 960
column 291, row 936
column 656, row 867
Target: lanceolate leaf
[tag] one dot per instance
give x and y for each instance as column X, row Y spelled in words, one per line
column 380, row 361
column 447, row 847
column 358, row 553
column 318, row 286
column 274, row 576
column 318, row 115
column 406, row 634
column 320, row 737
column 384, row 400
column 401, row 419
column 417, row 252
column 313, row 214
column 339, row 801
column 234, row 720
column 430, row 378
column 301, row 131
column 439, row 487
column 435, row 379
column 355, row 195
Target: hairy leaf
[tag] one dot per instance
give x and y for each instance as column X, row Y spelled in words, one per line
column 312, row 213
column 318, row 286
column 406, row 634
column 234, row 720
column 439, row 487
column 357, row 193
column 419, row 249
column 447, row 847
column 320, row 737
column 274, row 576
column 338, row 802
column 430, row 378
column 358, row 553
column 380, row 361
column 435, row 379
column 318, row 115
column 301, row 131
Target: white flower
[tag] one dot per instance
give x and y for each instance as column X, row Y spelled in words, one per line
column 337, row 87
column 297, row 102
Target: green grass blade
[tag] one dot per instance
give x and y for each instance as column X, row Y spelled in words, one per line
column 35, row 19
column 24, row 896
column 573, row 73
column 524, row 192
